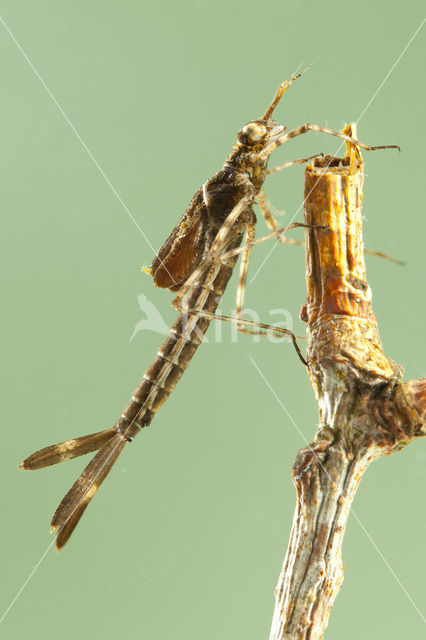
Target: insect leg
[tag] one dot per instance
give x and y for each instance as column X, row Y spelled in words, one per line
column 271, row 221
column 264, row 206
column 214, row 252
column 278, row 233
column 214, row 256
column 267, row 329
column 291, row 163
column 241, row 290
column 273, row 234
column 304, row 128
column 257, row 328
column 385, row 256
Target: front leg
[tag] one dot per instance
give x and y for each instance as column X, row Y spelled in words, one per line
column 292, row 163
column 304, row 128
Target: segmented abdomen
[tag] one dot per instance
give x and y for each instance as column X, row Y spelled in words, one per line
column 176, row 352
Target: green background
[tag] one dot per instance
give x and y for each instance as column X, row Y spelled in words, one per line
column 187, row 536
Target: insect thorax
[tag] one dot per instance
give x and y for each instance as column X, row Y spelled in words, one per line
column 248, row 164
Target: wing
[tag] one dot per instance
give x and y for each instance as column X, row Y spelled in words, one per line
column 183, row 249
column 74, row 504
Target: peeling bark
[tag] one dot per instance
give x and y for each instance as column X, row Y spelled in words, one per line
column 365, row 410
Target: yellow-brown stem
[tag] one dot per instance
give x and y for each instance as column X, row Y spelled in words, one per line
column 365, row 410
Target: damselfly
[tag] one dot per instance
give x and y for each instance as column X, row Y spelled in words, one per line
column 197, row 261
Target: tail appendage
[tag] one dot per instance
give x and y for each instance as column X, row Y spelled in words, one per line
column 158, row 382
column 74, row 504
column 109, row 444
column 67, row 450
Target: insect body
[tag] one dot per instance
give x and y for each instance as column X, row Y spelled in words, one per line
column 241, row 177
column 218, row 216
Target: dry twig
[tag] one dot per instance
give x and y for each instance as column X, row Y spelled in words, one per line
column 365, row 410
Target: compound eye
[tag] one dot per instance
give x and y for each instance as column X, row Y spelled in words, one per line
column 252, row 133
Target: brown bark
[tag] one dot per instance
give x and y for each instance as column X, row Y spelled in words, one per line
column 365, row 410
